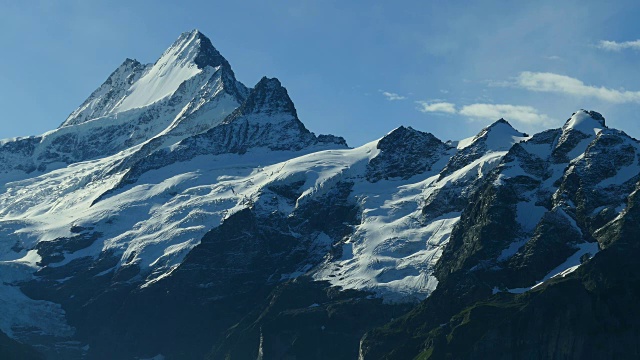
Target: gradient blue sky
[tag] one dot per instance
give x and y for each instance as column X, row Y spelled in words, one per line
column 356, row 69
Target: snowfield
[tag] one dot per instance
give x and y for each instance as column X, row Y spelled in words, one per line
column 163, row 153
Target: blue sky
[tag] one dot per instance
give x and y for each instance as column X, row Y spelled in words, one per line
column 356, row 69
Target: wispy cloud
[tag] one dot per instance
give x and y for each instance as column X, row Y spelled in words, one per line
column 440, row 106
column 517, row 113
column 550, row 82
column 524, row 114
column 618, row 46
column 393, row 96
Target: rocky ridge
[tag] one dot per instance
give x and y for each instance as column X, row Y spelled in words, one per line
column 180, row 214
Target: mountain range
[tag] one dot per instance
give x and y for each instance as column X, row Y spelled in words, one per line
column 179, row 214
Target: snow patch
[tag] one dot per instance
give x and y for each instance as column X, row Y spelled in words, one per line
column 464, row 143
column 583, row 122
column 20, row 313
column 173, row 68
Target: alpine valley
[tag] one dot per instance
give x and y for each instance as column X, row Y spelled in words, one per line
column 178, row 214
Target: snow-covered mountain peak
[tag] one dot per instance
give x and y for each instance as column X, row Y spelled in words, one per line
column 134, row 85
column 579, row 130
column 499, row 136
column 588, row 122
column 188, row 90
column 267, row 120
column 196, row 44
column 186, row 58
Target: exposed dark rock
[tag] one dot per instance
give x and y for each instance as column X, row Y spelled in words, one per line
column 332, row 139
column 207, row 54
column 300, row 318
column 112, row 90
column 13, row 350
column 405, row 152
column 267, row 119
column 590, row 314
column 55, row 250
column 485, row 228
column 554, row 240
column 247, row 289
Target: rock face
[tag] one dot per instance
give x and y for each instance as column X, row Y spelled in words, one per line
column 13, row 350
column 551, row 205
column 405, row 152
column 189, row 89
column 103, row 101
column 266, row 119
column 134, row 85
column 589, row 313
column 179, row 214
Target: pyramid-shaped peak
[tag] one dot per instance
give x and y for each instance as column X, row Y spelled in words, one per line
column 499, row 136
column 196, row 32
column 499, row 128
column 269, row 97
column 501, row 123
column 585, row 121
column 196, row 47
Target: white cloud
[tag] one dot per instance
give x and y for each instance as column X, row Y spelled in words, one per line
column 444, row 107
column 392, row 96
column 522, row 114
column 550, row 82
column 517, row 113
column 618, row 46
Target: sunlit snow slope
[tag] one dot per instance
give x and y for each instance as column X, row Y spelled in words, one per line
column 162, row 154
